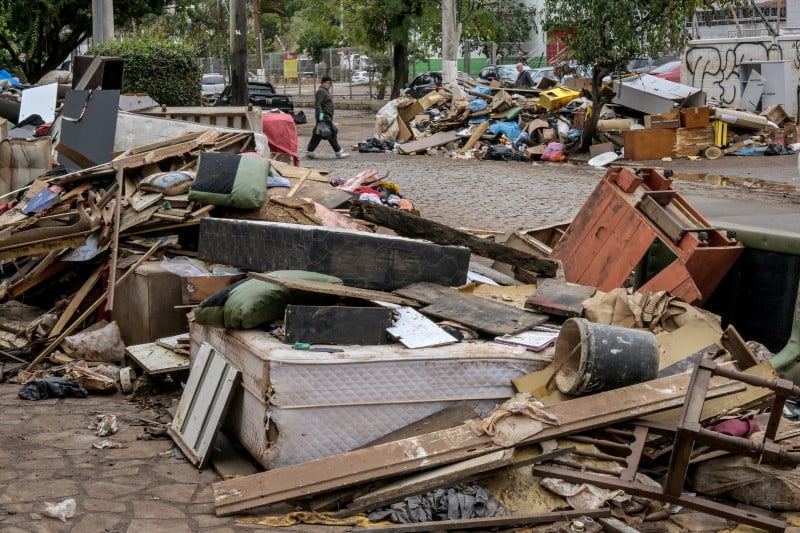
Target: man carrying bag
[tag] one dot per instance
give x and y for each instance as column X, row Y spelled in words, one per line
column 325, row 128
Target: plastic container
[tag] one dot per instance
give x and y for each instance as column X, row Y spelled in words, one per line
column 593, row 357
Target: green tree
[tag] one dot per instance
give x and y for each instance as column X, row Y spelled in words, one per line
column 604, row 35
column 46, row 32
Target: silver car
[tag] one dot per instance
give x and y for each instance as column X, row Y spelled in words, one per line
column 212, row 86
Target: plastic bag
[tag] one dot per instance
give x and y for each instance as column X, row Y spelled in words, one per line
column 103, row 344
column 52, row 387
column 182, row 266
column 107, row 426
column 554, row 152
column 62, row 511
column 323, row 130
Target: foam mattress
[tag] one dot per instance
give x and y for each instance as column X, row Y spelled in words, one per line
column 296, row 406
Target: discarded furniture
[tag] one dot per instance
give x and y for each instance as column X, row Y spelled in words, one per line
column 633, row 219
column 299, row 405
column 360, row 259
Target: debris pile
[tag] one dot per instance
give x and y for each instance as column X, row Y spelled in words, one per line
column 649, row 119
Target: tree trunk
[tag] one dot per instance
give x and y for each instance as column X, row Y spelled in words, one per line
column 451, row 34
column 400, row 62
column 600, row 97
column 238, row 42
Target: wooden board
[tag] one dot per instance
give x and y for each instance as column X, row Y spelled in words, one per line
column 337, row 324
column 414, row 330
column 439, row 139
column 155, row 359
column 559, row 298
column 448, row 446
column 333, row 288
column 203, row 404
column 480, row 130
column 195, row 289
column 494, row 318
column 229, row 459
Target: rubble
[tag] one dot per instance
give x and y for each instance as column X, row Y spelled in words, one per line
column 377, row 366
column 649, row 119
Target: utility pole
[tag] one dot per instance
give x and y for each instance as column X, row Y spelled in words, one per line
column 257, row 31
column 102, row 20
column 238, row 25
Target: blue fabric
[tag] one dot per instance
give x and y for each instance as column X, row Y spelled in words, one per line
column 510, row 129
column 482, row 90
column 477, row 105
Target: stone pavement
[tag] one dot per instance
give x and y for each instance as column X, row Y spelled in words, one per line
column 46, row 455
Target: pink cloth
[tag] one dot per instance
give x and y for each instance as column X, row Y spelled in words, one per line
column 281, row 134
column 737, row 427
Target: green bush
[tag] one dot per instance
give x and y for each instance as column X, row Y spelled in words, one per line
column 168, row 72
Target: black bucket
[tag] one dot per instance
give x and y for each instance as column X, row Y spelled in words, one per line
column 593, row 357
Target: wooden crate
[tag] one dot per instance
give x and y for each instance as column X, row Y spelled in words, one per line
column 642, row 145
column 695, row 117
column 663, row 121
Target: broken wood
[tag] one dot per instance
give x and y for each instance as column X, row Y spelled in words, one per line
column 409, row 225
column 76, row 301
column 332, row 288
column 448, row 446
column 734, row 343
column 480, row 130
column 92, row 308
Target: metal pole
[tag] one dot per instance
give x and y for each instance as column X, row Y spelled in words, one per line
column 97, row 21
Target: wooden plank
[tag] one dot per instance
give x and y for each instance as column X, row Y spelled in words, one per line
column 448, row 446
column 156, row 359
column 413, row 226
column 332, row 288
column 336, row 324
column 228, row 460
column 439, row 139
column 44, row 270
column 480, row 130
column 559, row 298
column 489, row 316
column 203, row 404
column 414, row 330
column 75, row 302
column 734, row 343
column 488, row 524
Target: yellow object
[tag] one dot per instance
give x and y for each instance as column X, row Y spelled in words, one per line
column 556, row 98
column 720, row 133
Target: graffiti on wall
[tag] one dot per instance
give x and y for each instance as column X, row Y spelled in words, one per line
column 714, row 65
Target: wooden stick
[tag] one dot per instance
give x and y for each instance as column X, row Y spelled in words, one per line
column 112, row 275
column 97, row 303
column 77, row 299
column 296, row 186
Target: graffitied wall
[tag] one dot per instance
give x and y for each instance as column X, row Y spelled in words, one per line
column 713, row 65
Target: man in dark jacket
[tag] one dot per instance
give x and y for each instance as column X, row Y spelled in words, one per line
column 323, row 111
column 524, row 79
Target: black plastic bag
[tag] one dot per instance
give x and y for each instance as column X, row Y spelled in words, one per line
column 777, row 149
column 52, row 387
column 498, row 153
column 300, row 117
column 323, row 130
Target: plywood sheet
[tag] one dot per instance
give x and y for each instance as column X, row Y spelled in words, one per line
column 315, row 324
column 415, row 330
column 155, row 359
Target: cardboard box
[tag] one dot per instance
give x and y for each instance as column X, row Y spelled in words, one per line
column 663, row 121
column 641, row 145
column 409, row 112
column 144, row 305
column 195, row 289
column 695, row 117
column 777, row 115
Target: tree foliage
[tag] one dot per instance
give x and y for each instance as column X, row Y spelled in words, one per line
column 46, row 32
column 605, row 34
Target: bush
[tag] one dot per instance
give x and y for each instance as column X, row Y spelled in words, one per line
column 168, row 72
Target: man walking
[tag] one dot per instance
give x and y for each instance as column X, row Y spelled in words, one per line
column 524, row 79
column 323, row 111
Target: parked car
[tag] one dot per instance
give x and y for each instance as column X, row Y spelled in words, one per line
column 212, row 85
column 539, row 73
column 429, row 81
column 261, row 94
column 507, row 74
column 360, row 76
column 669, row 71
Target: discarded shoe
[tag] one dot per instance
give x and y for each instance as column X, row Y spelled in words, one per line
column 341, row 153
